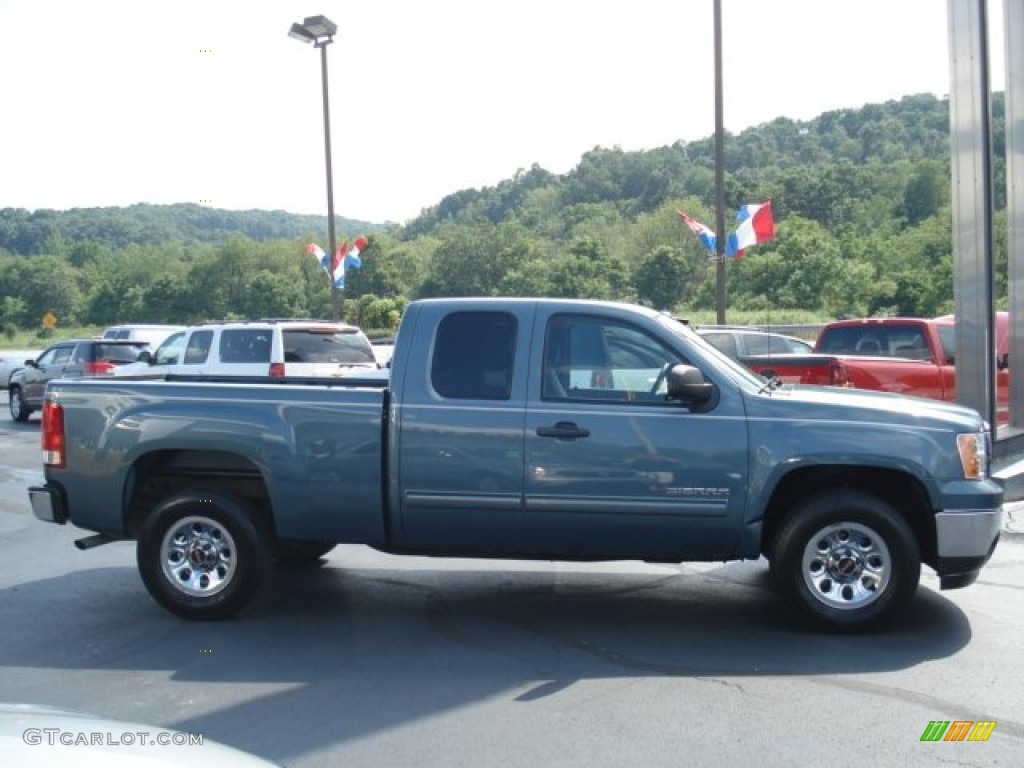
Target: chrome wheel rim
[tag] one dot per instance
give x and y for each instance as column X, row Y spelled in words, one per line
column 198, row 556
column 15, row 402
column 846, row 566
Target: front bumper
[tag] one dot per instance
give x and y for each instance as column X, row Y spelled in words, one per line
column 965, row 540
column 48, row 504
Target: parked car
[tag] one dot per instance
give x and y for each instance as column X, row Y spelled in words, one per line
column 11, row 360
column 152, row 335
column 743, row 342
column 69, row 359
column 276, row 348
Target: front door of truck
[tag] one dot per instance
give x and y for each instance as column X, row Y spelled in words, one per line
column 52, row 364
column 612, row 469
column 459, row 435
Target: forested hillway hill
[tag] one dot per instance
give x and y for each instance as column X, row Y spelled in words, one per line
column 861, row 199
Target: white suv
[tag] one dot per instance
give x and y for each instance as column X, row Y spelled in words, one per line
column 152, row 335
column 276, row 348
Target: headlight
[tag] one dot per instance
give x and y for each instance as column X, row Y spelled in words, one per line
column 973, row 455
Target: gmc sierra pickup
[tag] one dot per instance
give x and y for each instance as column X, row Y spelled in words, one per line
column 528, row 428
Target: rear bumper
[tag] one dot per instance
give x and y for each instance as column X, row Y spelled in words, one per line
column 965, row 540
column 48, row 504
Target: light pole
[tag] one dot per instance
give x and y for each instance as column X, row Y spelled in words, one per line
column 720, row 290
column 319, row 30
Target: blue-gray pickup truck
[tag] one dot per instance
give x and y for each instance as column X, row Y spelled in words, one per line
column 530, row 429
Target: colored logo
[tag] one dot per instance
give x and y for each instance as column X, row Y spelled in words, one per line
column 958, row 730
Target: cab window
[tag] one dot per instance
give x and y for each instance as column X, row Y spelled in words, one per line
column 598, row 358
column 62, row 355
column 473, row 356
column 169, row 352
column 198, row 348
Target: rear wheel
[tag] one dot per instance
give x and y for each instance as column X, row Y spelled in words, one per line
column 19, row 411
column 846, row 561
column 202, row 554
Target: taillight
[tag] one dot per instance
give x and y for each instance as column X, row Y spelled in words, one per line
column 53, row 434
column 838, row 375
column 277, row 370
column 99, row 368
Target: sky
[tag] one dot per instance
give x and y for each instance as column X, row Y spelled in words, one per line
column 117, row 102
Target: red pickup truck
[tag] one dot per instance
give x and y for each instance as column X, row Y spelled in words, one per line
column 911, row 356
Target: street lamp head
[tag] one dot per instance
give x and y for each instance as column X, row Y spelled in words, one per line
column 301, row 34
column 320, row 26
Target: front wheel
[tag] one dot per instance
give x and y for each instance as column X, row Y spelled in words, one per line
column 202, row 554
column 19, row 411
column 846, row 561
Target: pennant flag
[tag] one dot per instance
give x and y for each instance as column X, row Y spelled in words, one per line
column 346, row 257
column 756, row 226
column 317, row 253
column 339, row 256
column 705, row 235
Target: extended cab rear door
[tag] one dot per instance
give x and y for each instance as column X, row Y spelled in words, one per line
column 456, row 430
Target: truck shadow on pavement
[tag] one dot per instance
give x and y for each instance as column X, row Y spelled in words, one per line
column 346, row 652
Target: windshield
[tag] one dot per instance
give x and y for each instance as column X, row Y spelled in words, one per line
column 737, row 372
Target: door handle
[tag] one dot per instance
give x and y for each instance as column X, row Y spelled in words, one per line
column 564, row 430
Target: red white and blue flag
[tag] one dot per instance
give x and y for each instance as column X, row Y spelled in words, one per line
column 317, row 253
column 757, row 225
column 344, row 258
column 704, row 234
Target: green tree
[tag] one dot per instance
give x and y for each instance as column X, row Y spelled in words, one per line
column 271, row 294
column 663, row 278
column 926, row 192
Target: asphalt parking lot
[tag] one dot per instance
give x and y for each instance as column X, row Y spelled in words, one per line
column 373, row 660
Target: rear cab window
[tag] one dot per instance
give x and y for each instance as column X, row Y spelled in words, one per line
column 474, row 356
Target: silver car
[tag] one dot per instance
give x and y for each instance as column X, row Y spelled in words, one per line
column 69, row 359
column 13, row 359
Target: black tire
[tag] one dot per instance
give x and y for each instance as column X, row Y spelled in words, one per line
column 301, row 552
column 202, row 554
column 19, row 411
column 845, row 561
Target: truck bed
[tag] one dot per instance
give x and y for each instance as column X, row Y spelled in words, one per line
column 316, row 442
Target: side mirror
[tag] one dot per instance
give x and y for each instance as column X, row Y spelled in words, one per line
column 31, row 363
column 145, row 356
column 687, row 383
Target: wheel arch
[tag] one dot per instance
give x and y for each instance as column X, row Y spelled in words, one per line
column 901, row 490
column 159, row 474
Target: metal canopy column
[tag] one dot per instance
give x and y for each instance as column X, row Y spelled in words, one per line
column 1014, row 39
column 970, row 145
